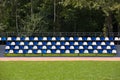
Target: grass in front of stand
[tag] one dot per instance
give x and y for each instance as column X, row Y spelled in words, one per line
column 60, row 55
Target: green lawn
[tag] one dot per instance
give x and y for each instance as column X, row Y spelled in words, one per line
column 75, row 70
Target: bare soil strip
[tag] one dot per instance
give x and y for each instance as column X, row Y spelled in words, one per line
column 59, row 58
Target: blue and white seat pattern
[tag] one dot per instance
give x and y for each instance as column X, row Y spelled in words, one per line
column 60, row 44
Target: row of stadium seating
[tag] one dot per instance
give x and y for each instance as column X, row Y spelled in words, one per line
column 60, row 51
column 60, row 43
column 59, row 38
column 61, row 47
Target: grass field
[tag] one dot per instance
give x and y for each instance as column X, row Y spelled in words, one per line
column 79, row 70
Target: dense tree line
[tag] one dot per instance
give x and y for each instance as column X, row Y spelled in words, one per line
column 59, row 15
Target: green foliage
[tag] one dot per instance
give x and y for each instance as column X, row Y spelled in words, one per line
column 69, row 15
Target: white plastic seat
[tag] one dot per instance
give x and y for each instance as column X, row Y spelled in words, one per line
column 44, row 38
column 97, row 38
column 94, row 43
column 57, row 51
column 99, row 47
column 39, row 51
column 108, row 47
column 106, row 39
column 53, row 47
column 62, row 39
column 71, row 47
column 35, row 47
column 104, row 51
column 86, row 51
column 49, row 43
column 85, row 43
column 95, row 51
column 26, row 38
column 0, row 38
column 17, row 38
column 21, row 43
column 11, row 51
column 62, row 47
column 90, row 47
column 89, row 39
column 71, row 39
column 67, row 51
column 44, row 47
column 20, row 51
column 57, row 43
column 30, row 43
column 7, row 47
column 112, row 43
column 12, row 43
column 116, row 39
column 16, row 47
column 67, row 43
column 26, row 47
column 80, row 39
column 9, row 39
column 114, row 51
column 53, row 39
column 35, row 38
column 77, row 51
column 81, row 47
column 76, row 43
column 30, row 51
column 103, row 43
column 48, row 51
column 40, row 43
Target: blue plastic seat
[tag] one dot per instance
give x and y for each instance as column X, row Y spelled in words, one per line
column 49, row 47
column 62, row 43
column 53, row 43
column 39, row 47
column 107, row 43
column 111, row 38
column 102, row 38
column 53, row 51
column 34, row 51
column 93, row 39
column 58, row 38
column 104, row 47
column 11, row 47
column 31, row 38
column 67, row 47
column 49, row 38
column 22, row 38
column 21, row 47
column 113, row 47
column 89, row 43
column 109, row 51
column 44, row 43
column 66, row 38
column 16, row 51
column 35, row 43
column 62, row 51
column 40, row 38
column 95, row 47
column 58, row 47
column 17, row 43
column 98, row 43
column 8, row 43
column 13, row 38
column 80, row 43
column 90, row 51
column 6, row 51
column 3, row 39
column 30, row 47
column 44, row 51
column 72, row 51
column 84, row 38
column 76, row 47
column 25, row 51
column 75, row 38
column 71, row 43
column 26, row 43
column 81, row 51
column 99, row 51
column 85, row 47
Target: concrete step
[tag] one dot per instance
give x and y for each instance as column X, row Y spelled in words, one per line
column 118, row 50
column 2, row 50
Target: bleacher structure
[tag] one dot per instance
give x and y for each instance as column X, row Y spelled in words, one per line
column 60, row 44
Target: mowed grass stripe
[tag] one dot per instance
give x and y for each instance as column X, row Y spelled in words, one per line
column 58, row 70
